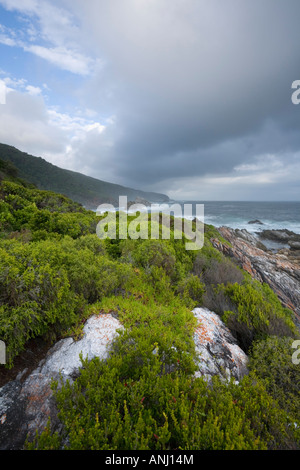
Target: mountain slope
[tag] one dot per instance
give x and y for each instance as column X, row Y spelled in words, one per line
column 86, row 190
column 9, row 172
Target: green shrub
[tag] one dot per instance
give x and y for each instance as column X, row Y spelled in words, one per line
column 92, row 243
column 169, row 326
column 155, row 253
column 27, row 208
column 7, row 220
column 34, row 296
column 191, row 289
column 43, row 286
column 258, row 313
column 271, row 360
column 107, row 410
column 222, row 271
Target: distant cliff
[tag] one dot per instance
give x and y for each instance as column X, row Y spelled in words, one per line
column 88, row 191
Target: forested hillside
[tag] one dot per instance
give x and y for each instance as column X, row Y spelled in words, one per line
column 55, row 272
column 88, row 191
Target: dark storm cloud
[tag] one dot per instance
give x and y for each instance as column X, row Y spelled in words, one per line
column 196, row 91
column 205, row 86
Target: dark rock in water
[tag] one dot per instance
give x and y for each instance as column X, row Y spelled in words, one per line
column 294, row 245
column 280, row 271
column 282, row 235
column 258, row 222
column 279, row 239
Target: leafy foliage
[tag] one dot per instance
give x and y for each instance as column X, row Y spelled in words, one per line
column 45, row 284
column 110, row 407
column 258, row 313
column 271, row 360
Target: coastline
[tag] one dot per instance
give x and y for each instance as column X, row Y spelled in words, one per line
column 279, row 268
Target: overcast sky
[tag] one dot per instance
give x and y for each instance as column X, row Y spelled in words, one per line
column 191, row 98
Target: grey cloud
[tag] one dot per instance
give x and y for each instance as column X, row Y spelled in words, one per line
column 197, row 88
column 24, row 123
column 204, row 97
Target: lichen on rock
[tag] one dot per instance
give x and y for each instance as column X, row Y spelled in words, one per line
column 219, row 351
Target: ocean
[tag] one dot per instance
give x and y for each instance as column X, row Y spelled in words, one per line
column 233, row 214
column 272, row 215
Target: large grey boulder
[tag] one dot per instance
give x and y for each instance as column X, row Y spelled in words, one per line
column 25, row 407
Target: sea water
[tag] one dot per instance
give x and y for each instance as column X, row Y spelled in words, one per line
column 233, row 214
column 272, row 215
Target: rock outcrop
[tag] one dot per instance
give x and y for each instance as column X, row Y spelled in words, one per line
column 27, row 404
column 280, row 235
column 280, row 270
column 219, row 352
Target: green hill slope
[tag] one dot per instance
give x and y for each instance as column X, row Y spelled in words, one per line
column 86, row 190
column 9, row 172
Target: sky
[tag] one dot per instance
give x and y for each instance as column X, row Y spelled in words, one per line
column 191, row 98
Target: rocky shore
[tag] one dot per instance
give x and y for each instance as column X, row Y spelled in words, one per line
column 288, row 242
column 277, row 265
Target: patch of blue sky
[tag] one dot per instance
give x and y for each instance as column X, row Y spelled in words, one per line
column 8, row 18
column 24, row 68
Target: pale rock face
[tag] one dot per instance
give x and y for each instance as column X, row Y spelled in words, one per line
column 64, row 357
column 26, row 406
column 219, row 352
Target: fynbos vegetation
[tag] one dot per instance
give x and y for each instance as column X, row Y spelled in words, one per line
column 54, row 271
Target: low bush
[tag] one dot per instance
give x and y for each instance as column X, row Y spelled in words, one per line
column 43, row 286
column 34, row 297
column 112, row 408
column 271, row 360
column 222, row 271
column 32, row 209
column 155, row 253
column 191, row 289
column 258, row 313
